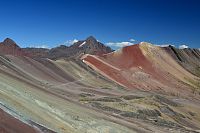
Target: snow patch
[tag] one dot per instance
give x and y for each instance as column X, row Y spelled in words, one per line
column 82, row 44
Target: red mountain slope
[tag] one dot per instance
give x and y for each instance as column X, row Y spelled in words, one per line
column 143, row 66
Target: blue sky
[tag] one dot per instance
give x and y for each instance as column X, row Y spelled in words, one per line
column 52, row 22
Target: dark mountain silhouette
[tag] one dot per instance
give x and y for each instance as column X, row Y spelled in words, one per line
column 88, row 46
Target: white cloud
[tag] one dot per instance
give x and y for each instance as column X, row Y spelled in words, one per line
column 183, row 46
column 132, row 40
column 70, row 42
column 42, row 46
column 39, row 46
column 74, row 41
column 119, row 44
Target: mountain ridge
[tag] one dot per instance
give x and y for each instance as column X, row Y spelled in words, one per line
column 88, row 46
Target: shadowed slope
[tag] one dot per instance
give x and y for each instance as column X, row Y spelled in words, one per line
column 188, row 58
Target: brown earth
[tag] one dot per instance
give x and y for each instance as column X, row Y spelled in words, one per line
column 9, row 124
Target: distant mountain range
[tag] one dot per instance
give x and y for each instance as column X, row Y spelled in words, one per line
column 87, row 46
